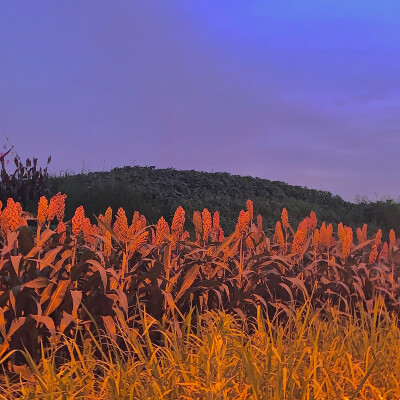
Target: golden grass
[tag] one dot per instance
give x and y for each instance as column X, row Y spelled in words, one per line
column 169, row 352
column 302, row 353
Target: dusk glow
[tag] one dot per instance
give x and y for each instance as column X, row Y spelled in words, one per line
column 305, row 92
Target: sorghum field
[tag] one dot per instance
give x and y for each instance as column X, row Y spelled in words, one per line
column 119, row 310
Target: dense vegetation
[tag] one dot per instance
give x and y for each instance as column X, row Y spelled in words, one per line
column 339, row 357
column 290, row 314
column 183, row 307
column 158, row 192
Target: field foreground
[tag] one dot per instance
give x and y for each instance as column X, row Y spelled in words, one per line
column 138, row 311
column 309, row 356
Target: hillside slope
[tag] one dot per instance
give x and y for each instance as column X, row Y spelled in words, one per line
column 158, row 192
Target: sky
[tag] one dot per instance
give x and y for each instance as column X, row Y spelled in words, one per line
column 306, row 92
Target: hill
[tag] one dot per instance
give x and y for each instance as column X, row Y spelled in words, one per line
column 158, row 192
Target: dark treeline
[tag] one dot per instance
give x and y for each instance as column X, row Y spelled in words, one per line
column 158, row 192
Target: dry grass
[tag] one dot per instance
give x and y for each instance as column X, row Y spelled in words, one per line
column 302, row 353
column 137, row 311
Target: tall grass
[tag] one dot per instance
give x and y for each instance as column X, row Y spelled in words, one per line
column 301, row 353
column 139, row 311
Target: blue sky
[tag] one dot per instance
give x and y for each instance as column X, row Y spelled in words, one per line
column 306, row 92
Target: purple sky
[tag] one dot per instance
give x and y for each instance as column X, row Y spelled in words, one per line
column 306, row 92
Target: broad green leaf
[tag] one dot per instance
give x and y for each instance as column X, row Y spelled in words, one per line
column 16, row 260
column 57, row 297
column 37, row 283
column 102, row 271
column 189, row 279
column 47, row 321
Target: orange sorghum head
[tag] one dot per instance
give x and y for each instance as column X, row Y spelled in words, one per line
column 17, row 221
column 42, row 210
column 341, row 232
column 131, row 233
column 285, row 218
column 279, row 234
column 87, row 232
column 347, row 242
column 52, row 209
column 364, row 231
column 139, row 225
column 77, row 220
column 11, row 217
column 329, row 232
column 61, row 229
column 206, row 219
column 139, row 242
column 108, row 216
column 249, row 207
column 22, row 220
column 300, row 237
column 378, row 237
column 326, row 234
column 313, row 220
column 60, row 207
column 322, row 234
column 56, row 207
column 316, row 238
column 297, row 242
column 243, row 221
column 121, row 225
column 162, row 229
column 135, row 218
column 259, row 222
column 102, row 219
column 349, row 232
column 107, row 244
column 373, row 254
column 177, row 223
column 392, row 238
column 197, row 222
column 96, row 231
column 216, row 220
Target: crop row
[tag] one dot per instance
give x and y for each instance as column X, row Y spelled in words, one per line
column 57, row 277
